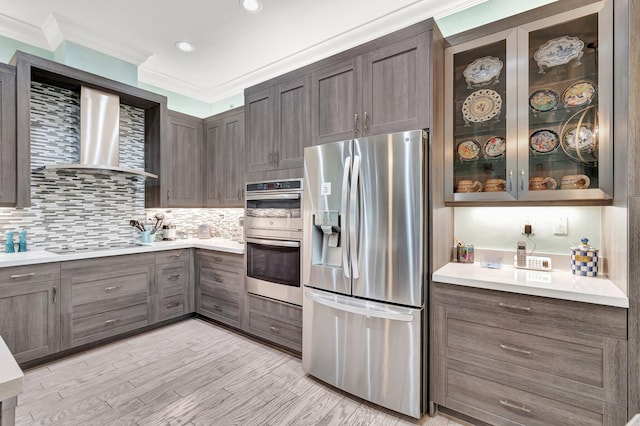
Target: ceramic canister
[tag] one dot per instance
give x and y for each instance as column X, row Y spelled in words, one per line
column 584, row 259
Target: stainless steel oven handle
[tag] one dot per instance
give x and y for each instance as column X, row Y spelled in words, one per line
column 343, row 211
column 295, row 196
column 276, row 243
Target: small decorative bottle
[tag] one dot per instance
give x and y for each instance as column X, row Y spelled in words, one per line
column 22, row 240
column 9, row 246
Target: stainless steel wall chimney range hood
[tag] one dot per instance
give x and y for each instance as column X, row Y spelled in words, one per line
column 99, row 135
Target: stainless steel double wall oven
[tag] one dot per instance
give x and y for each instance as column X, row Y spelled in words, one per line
column 273, row 234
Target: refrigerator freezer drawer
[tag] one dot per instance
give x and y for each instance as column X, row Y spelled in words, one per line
column 369, row 349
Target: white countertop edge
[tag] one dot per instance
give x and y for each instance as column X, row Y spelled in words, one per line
column 11, row 376
column 42, row 256
column 493, row 280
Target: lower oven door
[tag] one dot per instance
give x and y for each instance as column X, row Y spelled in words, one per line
column 273, row 269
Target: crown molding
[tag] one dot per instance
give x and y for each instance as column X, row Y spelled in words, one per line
column 58, row 28
column 395, row 20
column 22, row 31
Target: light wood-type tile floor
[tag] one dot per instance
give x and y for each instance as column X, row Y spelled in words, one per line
column 190, row 373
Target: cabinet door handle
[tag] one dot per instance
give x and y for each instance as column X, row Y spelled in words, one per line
column 271, row 158
column 15, row 277
column 219, row 197
column 172, row 304
column 514, row 349
column 517, row 407
column 217, row 307
column 109, row 322
column 108, row 289
column 274, row 329
column 167, row 196
column 217, row 258
column 277, row 157
column 355, row 123
column 174, row 277
column 239, row 194
column 519, row 308
column 366, row 121
column 522, row 180
column 510, row 180
column 242, row 193
column 55, row 293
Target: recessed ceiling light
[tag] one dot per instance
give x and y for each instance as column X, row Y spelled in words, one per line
column 185, row 46
column 252, row 6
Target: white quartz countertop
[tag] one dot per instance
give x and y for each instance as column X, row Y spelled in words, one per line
column 43, row 256
column 556, row 284
column 11, row 377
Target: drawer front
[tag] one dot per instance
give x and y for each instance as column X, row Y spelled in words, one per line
column 223, row 261
column 224, row 280
column 569, row 360
column 18, row 275
column 169, row 256
column 171, row 278
column 583, row 317
column 280, row 310
column 215, row 307
column 277, row 329
column 109, row 286
column 171, row 307
column 105, row 324
column 503, row 405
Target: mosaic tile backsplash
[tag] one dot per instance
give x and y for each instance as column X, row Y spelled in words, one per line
column 76, row 211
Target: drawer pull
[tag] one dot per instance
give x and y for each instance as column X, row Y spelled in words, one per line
column 517, row 407
column 217, row 258
column 512, row 349
column 218, row 279
column 30, row 274
column 172, row 304
column 174, row 277
column 274, row 329
column 109, row 322
column 217, row 307
column 108, row 289
column 519, row 308
column 175, row 255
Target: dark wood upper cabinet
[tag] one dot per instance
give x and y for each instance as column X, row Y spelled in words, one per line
column 223, row 153
column 381, row 91
column 7, row 135
column 277, row 126
column 337, row 101
column 185, row 161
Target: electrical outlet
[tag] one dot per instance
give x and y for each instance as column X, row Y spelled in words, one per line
column 561, row 226
column 528, row 226
column 149, row 217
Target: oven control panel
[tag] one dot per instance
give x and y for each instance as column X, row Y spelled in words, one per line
column 295, row 184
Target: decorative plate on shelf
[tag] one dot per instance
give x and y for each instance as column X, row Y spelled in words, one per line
column 468, row 150
column 544, row 100
column 586, row 140
column 544, row 141
column 481, row 71
column 494, row 147
column 559, row 51
column 579, row 94
column 482, row 105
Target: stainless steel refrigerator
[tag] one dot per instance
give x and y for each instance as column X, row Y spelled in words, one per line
column 364, row 268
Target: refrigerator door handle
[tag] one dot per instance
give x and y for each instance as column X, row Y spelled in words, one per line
column 353, row 205
column 375, row 313
column 343, row 212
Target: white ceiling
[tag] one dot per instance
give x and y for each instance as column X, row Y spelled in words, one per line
column 234, row 49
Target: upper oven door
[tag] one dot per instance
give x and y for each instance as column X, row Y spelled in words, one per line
column 273, row 212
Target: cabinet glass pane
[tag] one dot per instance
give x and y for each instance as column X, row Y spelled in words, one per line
column 563, row 97
column 480, row 127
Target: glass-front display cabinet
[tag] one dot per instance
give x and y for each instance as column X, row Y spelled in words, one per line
column 528, row 112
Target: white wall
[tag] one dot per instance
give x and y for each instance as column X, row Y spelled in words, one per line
column 498, row 228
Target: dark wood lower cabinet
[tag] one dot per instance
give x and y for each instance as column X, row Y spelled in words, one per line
column 509, row 359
